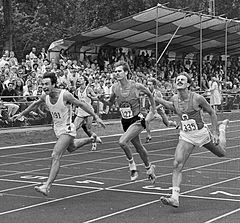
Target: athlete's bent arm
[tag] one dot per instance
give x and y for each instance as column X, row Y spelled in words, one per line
column 206, row 107
column 165, row 103
column 31, row 107
column 72, row 100
column 140, row 87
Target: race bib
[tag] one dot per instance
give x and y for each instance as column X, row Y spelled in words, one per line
column 189, row 125
column 126, row 112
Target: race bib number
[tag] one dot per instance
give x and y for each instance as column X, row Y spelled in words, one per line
column 56, row 115
column 126, row 112
column 189, row 125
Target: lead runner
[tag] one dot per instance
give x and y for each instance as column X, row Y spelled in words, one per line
column 59, row 102
column 126, row 94
column 193, row 132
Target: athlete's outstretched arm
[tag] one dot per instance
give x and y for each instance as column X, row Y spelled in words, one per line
column 142, row 88
column 31, row 107
column 165, row 103
column 68, row 97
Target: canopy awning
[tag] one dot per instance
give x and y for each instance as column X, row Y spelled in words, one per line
column 139, row 31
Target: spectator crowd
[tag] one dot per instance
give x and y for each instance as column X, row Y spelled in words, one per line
column 21, row 80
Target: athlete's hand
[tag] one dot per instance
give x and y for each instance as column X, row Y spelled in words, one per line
column 100, row 121
column 17, row 117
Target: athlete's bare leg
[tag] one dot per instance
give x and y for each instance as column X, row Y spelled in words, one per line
column 182, row 153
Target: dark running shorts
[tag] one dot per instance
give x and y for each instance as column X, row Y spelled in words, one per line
column 127, row 122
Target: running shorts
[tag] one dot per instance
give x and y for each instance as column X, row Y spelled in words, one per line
column 196, row 137
column 67, row 129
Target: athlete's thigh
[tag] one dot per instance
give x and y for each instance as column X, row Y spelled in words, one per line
column 132, row 131
column 183, row 150
column 63, row 142
column 215, row 149
column 136, row 141
column 78, row 121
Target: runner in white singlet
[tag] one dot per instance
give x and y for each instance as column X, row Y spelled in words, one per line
column 160, row 114
column 60, row 103
column 188, row 106
column 83, row 119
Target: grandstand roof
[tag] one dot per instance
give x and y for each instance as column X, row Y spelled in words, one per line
column 139, row 31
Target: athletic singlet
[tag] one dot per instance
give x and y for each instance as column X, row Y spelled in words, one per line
column 61, row 113
column 128, row 100
column 190, row 115
column 82, row 96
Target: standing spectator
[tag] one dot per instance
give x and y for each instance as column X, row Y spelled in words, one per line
column 33, row 54
column 215, row 97
column 12, row 59
column 3, row 61
column 2, row 85
column 43, row 54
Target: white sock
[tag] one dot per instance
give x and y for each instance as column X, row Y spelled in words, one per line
column 132, row 164
column 222, row 128
column 175, row 193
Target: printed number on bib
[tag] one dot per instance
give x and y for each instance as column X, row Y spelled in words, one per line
column 189, row 125
column 56, row 115
column 126, row 112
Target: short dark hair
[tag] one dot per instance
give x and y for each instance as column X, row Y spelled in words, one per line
column 189, row 79
column 52, row 77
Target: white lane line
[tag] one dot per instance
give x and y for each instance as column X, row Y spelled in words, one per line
column 122, row 211
column 223, row 216
column 47, row 202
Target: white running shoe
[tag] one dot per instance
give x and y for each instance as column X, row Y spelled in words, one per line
column 43, row 189
column 94, row 146
column 96, row 138
column 151, row 174
column 170, row 201
column 133, row 175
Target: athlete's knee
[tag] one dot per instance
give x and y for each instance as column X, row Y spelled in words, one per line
column 123, row 143
column 56, row 156
column 177, row 165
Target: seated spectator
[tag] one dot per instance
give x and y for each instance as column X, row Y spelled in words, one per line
column 9, row 101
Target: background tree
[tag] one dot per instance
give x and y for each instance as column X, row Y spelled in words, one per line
column 40, row 22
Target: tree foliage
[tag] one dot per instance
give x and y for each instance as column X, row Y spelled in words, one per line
column 40, row 22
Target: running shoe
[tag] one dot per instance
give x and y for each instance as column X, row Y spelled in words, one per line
column 133, row 175
column 94, row 146
column 96, row 139
column 225, row 122
column 170, row 201
column 43, row 189
column 151, row 174
column 148, row 139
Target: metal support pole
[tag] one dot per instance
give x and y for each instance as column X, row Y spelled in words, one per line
column 201, row 54
column 156, row 41
column 226, row 49
column 174, row 34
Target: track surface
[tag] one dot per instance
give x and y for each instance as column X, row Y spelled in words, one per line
column 95, row 186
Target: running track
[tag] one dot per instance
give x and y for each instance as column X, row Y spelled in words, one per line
column 95, row 186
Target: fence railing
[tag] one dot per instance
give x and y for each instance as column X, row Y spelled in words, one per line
column 41, row 116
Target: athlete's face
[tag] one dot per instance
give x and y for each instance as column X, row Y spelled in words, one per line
column 120, row 73
column 81, row 80
column 150, row 85
column 47, row 85
column 182, row 82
